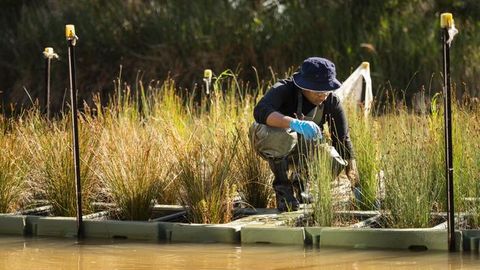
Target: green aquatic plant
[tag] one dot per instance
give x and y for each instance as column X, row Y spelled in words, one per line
column 363, row 132
column 466, row 160
column 205, row 179
column 254, row 178
column 13, row 185
column 134, row 167
column 51, row 163
column 412, row 184
column 321, row 179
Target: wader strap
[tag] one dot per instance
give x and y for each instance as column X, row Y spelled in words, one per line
column 299, row 104
column 315, row 115
column 317, row 118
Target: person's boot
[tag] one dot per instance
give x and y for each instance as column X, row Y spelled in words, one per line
column 285, row 199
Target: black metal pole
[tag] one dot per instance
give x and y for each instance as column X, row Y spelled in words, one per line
column 448, row 140
column 49, row 54
column 47, row 87
column 207, row 78
column 76, row 149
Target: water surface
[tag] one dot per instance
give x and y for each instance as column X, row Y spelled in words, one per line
column 52, row 253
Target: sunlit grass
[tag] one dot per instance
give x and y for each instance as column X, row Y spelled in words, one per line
column 254, row 178
column 320, row 172
column 13, row 184
column 466, row 159
column 133, row 167
column 205, row 177
column 363, row 133
column 51, row 168
column 412, row 180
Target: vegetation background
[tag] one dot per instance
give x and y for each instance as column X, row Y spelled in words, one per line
column 156, row 39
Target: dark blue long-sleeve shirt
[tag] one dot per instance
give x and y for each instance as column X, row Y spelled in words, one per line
column 283, row 98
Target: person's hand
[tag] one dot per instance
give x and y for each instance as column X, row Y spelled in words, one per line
column 352, row 173
column 308, row 129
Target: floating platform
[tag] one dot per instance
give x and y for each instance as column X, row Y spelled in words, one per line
column 262, row 226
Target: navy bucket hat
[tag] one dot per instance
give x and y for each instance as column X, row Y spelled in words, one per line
column 317, row 74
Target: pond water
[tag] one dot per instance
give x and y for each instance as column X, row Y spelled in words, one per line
column 48, row 253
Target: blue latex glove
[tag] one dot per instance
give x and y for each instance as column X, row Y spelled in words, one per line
column 308, row 129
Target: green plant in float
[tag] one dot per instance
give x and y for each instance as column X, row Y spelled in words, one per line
column 466, row 142
column 321, row 177
column 363, row 132
column 437, row 140
column 52, row 159
column 205, row 177
column 13, row 186
column 411, row 181
column 475, row 180
column 253, row 174
column 134, row 167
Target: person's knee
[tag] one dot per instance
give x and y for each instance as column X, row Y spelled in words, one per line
column 270, row 142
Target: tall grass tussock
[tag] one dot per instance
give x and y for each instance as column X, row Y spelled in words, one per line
column 13, row 182
column 207, row 183
column 134, row 168
column 253, row 174
column 50, row 158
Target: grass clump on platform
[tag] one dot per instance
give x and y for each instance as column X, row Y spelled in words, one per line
column 466, row 158
column 134, row 159
column 51, row 163
column 363, row 132
column 214, row 158
column 205, row 179
column 412, row 181
column 13, row 185
column 133, row 167
column 321, row 177
column 253, row 174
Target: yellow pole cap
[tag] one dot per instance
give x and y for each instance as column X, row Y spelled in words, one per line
column 365, row 65
column 70, row 31
column 207, row 73
column 446, row 20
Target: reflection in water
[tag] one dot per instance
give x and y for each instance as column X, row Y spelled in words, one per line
column 42, row 253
